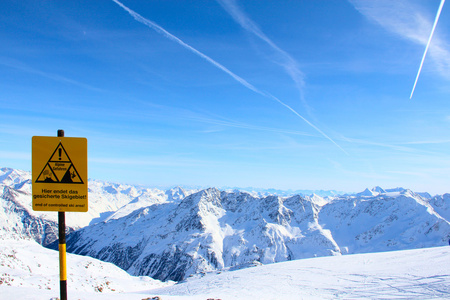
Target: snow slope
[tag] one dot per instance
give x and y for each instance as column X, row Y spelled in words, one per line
column 31, row 273
column 408, row 274
column 30, row 266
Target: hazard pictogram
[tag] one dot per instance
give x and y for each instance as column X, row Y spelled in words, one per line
column 59, row 169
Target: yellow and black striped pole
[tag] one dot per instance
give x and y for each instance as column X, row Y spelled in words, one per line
column 62, row 255
column 62, row 247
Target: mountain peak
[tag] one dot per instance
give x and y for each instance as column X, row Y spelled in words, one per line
column 367, row 193
column 378, row 190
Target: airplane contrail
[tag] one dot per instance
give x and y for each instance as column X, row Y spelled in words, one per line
column 307, row 122
column 428, row 45
column 239, row 79
column 170, row 36
column 286, row 61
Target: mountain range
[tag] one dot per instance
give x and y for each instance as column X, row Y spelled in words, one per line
column 177, row 233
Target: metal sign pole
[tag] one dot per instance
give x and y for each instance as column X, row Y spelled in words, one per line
column 62, row 247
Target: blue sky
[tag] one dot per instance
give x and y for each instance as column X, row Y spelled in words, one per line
column 268, row 94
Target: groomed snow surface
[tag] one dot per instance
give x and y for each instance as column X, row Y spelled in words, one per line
column 29, row 271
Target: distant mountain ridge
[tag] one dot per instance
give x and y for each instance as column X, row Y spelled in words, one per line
column 17, row 217
column 174, row 234
column 285, row 193
column 213, row 230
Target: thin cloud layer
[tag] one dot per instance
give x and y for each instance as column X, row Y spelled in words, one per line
column 289, row 64
column 14, row 64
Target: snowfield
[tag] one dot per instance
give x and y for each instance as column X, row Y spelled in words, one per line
column 35, row 269
column 408, row 274
column 227, row 244
column 30, row 271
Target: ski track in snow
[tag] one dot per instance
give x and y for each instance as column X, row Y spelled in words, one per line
column 408, row 274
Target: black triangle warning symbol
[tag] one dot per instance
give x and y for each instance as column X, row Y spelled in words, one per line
column 59, row 169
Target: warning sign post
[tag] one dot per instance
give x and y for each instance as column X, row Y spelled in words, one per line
column 59, row 174
column 59, row 183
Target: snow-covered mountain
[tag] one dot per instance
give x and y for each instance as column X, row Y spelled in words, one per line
column 174, row 234
column 393, row 220
column 19, row 220
column 441, row 204
column 213, row 230
column 260, row 192
column 27, row 264
column 206, row 231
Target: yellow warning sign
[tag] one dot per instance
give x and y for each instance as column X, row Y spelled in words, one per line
column 59, row 174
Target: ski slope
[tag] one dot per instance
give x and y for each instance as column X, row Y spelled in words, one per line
column 29, row 271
